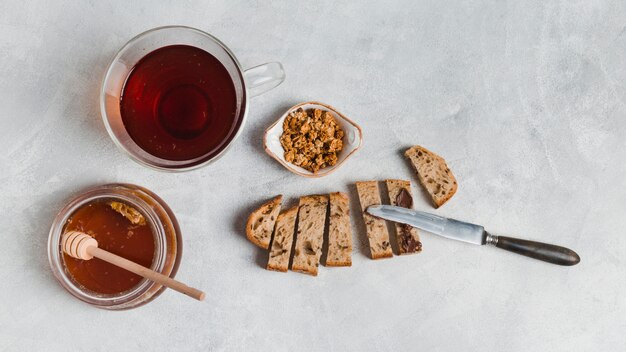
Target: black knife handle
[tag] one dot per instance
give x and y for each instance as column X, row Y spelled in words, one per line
column 543, row 251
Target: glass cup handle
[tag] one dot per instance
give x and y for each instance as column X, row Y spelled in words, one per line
column 260, row 79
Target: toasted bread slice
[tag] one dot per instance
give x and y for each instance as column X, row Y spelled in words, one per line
column 261, row 222
column 406, row 236
column 376, row 228
column 339, row 231
column 310, row 234
column 283, row 239
column 433, row 174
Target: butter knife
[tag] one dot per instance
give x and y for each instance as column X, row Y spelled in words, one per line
column 475, row 234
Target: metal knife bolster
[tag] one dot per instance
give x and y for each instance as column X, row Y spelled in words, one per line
column 450, row 228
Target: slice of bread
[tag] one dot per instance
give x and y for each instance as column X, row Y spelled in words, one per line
column 310, row 234
column 375, row 228
column 407, row 237
column 261, row 222
column 433, row 174
column 339, row 231
column 283, row 239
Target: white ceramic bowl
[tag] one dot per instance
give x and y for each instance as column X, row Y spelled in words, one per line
column 352, row 139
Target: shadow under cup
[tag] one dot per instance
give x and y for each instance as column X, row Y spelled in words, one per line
column 259, row 79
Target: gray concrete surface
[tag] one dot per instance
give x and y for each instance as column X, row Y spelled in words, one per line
column 525, row 99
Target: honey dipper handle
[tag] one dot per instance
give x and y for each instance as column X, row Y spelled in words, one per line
column 145, row 272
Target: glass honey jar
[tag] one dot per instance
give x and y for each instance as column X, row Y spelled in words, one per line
column 127, row 220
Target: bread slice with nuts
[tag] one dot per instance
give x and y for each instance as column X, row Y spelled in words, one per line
column 375, row 228
column 310, row 234
column 261, row 222
column 406, row 236
column 283, row 239
column 339, row 231
column 433, row 174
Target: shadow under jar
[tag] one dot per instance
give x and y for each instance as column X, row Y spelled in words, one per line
column 155, row 242
column 175, row 98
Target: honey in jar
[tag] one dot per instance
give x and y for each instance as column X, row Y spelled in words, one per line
column 119, row 229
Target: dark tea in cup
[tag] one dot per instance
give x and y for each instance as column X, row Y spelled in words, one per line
column 175, row 98
column 179, row 103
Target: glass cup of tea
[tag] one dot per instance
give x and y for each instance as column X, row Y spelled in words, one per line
column 175, row 98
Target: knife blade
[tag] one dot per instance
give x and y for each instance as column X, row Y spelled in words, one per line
column 475, row 234
column 438, row 225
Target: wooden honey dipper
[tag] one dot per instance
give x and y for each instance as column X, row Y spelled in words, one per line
column 80, row 245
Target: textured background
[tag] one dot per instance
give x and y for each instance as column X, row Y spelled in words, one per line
column 525, row 99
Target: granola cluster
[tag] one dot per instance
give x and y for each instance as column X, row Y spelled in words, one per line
column 311, row 139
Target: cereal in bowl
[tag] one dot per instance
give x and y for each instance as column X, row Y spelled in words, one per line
column 311, row 139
